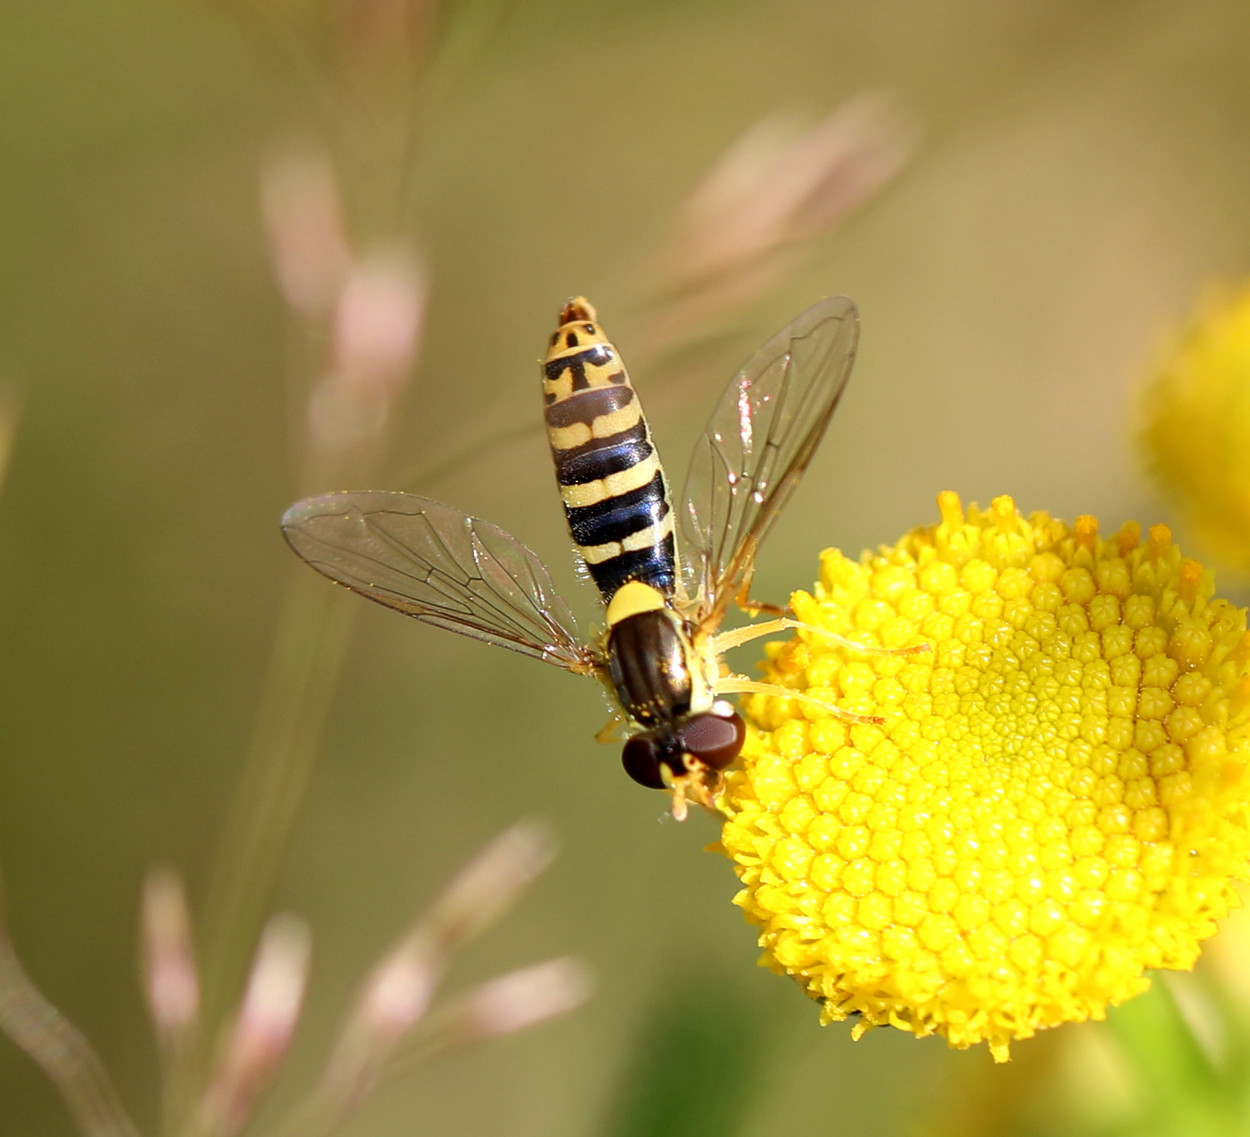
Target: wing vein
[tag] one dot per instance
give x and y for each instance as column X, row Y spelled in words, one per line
column 758, row 442
column 440, row 566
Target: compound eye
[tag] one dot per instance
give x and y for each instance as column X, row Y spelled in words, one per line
column 715, row 740
column 641, row 759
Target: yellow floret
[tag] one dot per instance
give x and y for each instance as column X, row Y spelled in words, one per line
column 1055, row 803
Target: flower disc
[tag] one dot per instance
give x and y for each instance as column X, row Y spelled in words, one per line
column 1055, row 802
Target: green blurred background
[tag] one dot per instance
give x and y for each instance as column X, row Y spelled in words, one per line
column 1079, row 175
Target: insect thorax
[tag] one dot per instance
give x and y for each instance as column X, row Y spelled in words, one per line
column 652, row 667
column 611, row 482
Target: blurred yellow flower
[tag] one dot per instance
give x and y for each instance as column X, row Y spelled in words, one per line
column 1055, row 802
column 1197, row 424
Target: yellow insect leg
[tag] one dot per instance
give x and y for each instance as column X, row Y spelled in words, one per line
column 724, row 641
column 741, row 685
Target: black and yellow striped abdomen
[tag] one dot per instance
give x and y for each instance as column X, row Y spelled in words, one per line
column 613, row 488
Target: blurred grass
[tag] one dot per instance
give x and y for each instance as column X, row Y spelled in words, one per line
column 1082, row 172
column 693, row 1070
column 1179, row 1089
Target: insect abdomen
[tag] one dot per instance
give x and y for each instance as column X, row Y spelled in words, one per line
column 611, row 482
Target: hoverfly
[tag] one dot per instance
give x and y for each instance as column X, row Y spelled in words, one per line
column 659, row 655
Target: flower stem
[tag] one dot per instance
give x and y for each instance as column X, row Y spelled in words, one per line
column 52, row 1041
column 308, row 652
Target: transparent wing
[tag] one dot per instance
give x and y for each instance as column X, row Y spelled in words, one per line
column 441, row 566
column 757, row 444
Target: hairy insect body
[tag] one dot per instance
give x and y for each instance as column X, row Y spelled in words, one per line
column 611, row 482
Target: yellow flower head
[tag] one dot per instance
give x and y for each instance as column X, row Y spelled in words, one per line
column 1197, row 424
column 1055, row 802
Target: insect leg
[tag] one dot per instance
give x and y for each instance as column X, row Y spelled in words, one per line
column 612, row 729
column 698, row 787
column 724, row 641
column 740, row 685
column 754, row 608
